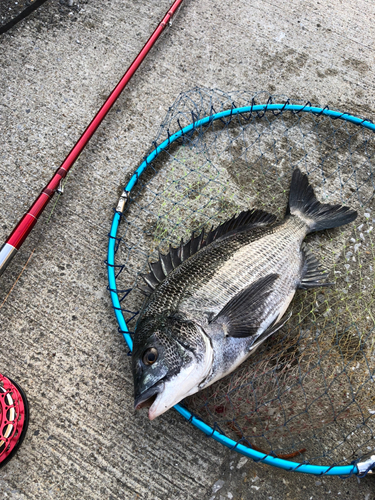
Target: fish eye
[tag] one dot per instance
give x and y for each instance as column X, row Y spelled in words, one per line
column 150, row 356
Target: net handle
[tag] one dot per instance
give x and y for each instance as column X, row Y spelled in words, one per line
column 342, row 470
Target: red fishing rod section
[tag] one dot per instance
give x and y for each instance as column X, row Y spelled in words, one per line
column 28, row 221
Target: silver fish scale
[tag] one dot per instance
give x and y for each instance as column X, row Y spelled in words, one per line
column 170, row 354
column 277, row 252
column 183, row 281
column 203, row 284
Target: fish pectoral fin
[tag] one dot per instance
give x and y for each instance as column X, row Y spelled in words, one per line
column 270, row 331
column 312, row 272
column 243, row 314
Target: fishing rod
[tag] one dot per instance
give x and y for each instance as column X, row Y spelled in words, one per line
column 28, row 221
column 26, row 12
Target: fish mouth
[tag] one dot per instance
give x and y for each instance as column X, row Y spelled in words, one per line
column 148, row 397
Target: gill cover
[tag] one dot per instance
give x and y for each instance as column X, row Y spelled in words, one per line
column 176, row 342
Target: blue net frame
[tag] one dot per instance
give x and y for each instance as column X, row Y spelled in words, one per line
column 118, row 296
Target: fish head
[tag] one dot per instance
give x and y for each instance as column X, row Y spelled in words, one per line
column 171, row 356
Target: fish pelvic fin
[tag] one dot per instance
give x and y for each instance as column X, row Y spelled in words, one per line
column 312, row 272
column 242, row 315
column 245, row 221
column 316, row 215
column 274, row 327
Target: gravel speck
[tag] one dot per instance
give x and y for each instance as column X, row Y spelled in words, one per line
column 217, row 486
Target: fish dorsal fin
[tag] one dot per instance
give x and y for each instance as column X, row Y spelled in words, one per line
column 160, row 269
column 245, row 221
column 242, row 315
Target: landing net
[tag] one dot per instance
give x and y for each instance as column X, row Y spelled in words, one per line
column 307, row 394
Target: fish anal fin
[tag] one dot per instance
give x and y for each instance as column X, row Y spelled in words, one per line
column 242, row 315
column 312, row 272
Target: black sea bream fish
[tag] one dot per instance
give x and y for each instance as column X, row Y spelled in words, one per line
column 212, row 301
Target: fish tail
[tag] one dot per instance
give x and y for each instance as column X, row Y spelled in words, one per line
column 316, row 215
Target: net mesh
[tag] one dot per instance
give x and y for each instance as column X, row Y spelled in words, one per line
column 308, row 391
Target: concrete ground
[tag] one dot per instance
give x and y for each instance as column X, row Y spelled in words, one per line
column 59, row 338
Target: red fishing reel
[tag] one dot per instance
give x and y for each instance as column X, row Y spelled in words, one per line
column 14, row 418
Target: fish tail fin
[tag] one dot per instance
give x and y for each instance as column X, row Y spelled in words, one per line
column 317, row 216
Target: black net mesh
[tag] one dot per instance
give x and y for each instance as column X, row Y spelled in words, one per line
column 307, row 393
